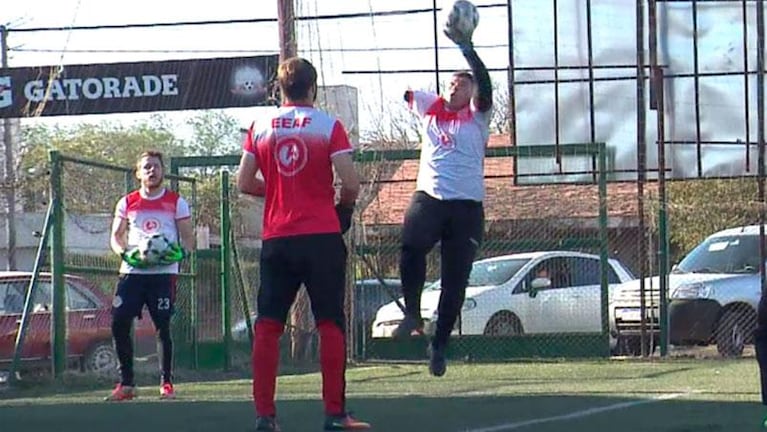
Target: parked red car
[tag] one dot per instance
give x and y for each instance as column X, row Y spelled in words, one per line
column 89, row 326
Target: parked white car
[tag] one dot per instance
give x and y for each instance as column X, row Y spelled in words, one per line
column 713, row 296
column 508, row 295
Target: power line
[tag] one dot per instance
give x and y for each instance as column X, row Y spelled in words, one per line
column 234, row 21
column 243, row 51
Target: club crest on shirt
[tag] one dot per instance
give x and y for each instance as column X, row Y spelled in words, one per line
column 150, row 225
column 291, row 155
column 444, row 137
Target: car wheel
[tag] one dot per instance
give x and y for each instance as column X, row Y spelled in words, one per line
column 730, row 334
column 503, row 324
column 632, row 346
column 101, row 359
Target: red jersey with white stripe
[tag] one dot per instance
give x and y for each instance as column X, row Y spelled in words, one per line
column 293, row 149
column 151, row 215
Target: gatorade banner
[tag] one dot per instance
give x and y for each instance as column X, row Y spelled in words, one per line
column 136, row 87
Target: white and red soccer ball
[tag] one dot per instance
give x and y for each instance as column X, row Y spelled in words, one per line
column 462, row 16
column 153, row 248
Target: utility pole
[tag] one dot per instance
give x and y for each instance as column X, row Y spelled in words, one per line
column 9, row 179
column 286, row 18
column 300, row 318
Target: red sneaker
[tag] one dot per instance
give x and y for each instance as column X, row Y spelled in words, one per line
column 121, row 393
column 344, row 422
column 167, row 391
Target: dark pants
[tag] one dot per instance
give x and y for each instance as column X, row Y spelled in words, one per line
column 458, row 226
column 317, row 261
column 157, row 292
column 760, row 344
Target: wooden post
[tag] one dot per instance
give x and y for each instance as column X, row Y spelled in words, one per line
column 300, row 324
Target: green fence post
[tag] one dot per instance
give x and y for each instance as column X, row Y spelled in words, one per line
column 663, row 255
column 194, row 312
column 226, row 316
column 31, row 290
column 603, row 240
column 58, row 315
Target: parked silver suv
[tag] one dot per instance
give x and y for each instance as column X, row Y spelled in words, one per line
column 713, row 296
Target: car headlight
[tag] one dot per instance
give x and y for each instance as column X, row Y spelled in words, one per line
column 692, row 291
column 469, row 304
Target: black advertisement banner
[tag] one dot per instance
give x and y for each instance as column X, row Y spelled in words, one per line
column 136, row 87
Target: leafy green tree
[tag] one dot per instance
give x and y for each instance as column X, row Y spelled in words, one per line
column 699, row 208
column 214, row 133
column 87, row 189
column 94, row 190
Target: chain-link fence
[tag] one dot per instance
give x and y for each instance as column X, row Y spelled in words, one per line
column 536, row 288
column 560, row 273
column 63, row 307
column 713, row 286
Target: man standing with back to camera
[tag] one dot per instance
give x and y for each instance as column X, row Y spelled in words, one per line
column 447, row 205
column 296, row 150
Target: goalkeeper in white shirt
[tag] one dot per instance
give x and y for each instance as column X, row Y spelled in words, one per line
column 447, row 204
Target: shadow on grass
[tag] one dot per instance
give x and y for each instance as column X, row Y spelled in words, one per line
column 541, row 413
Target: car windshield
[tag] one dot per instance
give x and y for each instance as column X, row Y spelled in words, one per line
column 730, row 254
column 489, row 273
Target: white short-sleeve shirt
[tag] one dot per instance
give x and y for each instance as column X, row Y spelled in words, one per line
column 453, row 150
column 151, row 215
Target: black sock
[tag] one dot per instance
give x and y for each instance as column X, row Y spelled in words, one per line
column 124, row 347
column 165, row 349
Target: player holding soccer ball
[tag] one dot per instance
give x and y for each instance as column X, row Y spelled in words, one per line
column 147, row 227
column 447, row 205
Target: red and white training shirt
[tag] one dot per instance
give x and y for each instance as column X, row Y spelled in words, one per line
column 294, row 150
column 150, row 215
column 453, row 149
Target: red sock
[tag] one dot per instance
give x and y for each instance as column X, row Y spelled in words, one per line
column 333, row 365
column 266, row 361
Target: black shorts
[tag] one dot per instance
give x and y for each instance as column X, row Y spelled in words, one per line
column 453, row 222
column 156, row 291
column 318, row 261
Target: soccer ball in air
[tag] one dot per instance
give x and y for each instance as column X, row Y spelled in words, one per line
column 462, row 17
column 153, row 248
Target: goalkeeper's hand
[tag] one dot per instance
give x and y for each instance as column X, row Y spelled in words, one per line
column 173, row 255
column 462, row 39
column 133, row 258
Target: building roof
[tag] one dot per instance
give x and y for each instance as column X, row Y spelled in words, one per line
column 506, row 201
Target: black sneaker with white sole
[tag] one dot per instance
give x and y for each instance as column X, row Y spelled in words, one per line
column 437, row 360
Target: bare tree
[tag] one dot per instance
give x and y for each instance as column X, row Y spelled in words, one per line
column 500, row 120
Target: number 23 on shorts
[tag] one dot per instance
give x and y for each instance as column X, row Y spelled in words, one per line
column 163, row 303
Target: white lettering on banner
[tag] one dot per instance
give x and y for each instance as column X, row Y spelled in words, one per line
column 72, row 88
column 152, row 85
column 57, row 91
column 169, row 87
column 92, row 88
column 102, row 88
column 131, row 86
column 111, row 87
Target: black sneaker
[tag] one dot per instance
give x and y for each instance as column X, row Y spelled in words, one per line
column 267, row 423
column 344, row 422
column 407, row 326
column 437, row 361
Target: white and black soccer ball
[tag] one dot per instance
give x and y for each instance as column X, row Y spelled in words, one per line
column 462, row 16
column 153, row 248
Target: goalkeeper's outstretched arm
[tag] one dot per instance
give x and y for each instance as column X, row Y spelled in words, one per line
column 483, row 94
